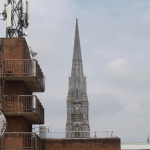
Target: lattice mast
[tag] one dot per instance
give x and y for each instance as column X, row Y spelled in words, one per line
column 16, row 14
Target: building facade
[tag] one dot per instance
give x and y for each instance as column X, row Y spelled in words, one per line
column 20, row 77
column 77, row 125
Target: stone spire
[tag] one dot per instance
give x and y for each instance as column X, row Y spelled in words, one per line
column 77, row 125
column 77, row 48
column 77, row 68
column 76, row 81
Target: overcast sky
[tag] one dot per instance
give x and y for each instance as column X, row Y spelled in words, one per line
column 115, row 45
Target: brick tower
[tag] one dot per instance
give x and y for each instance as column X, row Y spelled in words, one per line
column 20, row 77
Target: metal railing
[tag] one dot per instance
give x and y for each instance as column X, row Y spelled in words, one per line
column 91, row 134
column 135, row 143
column 23, row 68
column 22, row 104
column 21, row 140
column 71, row 134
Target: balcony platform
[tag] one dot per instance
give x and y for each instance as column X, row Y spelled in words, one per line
column 26, row 70
column 21, row 140
column 23, row 105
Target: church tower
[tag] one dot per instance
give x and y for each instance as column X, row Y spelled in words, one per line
column 77, row 125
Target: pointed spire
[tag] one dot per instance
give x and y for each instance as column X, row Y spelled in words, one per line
column 77, row 48
column 77, row 68
column 77, row 81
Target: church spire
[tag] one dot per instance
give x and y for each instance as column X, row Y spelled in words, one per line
column 77, row 101
column 77, row 48
column 77, row 68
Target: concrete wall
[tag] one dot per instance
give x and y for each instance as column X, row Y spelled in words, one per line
column 83, row 144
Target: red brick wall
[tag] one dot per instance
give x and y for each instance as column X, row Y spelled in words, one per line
column 83, row 144
column 1, row 45
column 15, row 87
column 26, row 49
column 12, row 143
column 14, row 48
column 17, row 124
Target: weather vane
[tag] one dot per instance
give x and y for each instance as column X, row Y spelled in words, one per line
column 16, row 16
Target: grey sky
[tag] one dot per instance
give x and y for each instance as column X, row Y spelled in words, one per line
column 115, row 44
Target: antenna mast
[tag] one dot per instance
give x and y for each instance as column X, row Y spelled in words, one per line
column 16, row 16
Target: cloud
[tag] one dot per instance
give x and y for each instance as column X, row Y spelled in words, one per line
column 104, row 103
column 122, row 74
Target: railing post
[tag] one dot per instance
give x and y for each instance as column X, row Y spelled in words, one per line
column 18, row 68
column 36, row 73
column 3, row 66
column 35, row 141
column 111, row 133
column 17, row 142
column 36, row 106
column 1, row 102
column 18, row 104
column 34, row 67
column 95, row 134
column 43, row 115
